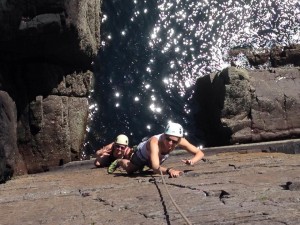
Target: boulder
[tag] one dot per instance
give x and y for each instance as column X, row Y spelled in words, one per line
column 246, row 106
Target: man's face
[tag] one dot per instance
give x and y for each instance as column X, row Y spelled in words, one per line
column 119, row 150
column 171, row 141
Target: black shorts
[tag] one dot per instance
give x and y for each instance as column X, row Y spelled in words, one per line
column 135, row 160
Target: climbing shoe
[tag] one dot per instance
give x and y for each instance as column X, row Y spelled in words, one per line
column 113, row 166
column 146, row 168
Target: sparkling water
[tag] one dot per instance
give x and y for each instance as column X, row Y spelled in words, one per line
column 152, row 52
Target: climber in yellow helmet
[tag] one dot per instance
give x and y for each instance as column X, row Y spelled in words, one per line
column 118, row 149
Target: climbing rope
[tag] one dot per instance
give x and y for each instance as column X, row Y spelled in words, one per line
column 173, row 201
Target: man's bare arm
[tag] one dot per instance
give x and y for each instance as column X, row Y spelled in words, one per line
column 198, row 154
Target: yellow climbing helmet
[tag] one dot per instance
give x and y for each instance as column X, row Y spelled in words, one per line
column 122, row 140
column 174, row 129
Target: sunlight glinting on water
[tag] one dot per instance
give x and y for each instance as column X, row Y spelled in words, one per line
column 182, row 41
column 200, row 30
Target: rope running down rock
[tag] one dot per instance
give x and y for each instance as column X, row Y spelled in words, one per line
column 174, row 203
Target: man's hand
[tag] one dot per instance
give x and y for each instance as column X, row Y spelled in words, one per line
column 103, row 152
column 188, row 161
column 174, row 173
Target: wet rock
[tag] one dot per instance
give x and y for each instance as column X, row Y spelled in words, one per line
column 285, row 55
column 275, row 57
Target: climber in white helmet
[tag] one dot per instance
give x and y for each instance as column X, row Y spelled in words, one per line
column 118, row 149
column 156, row 149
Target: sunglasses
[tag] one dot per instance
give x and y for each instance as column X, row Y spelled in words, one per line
column 120, row 147
column 173, row 141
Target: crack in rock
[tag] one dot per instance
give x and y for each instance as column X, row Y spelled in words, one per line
column 292, row 186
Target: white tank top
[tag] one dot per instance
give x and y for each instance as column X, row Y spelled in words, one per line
column 144, row 154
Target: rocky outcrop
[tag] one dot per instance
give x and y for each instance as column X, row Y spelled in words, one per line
column 240, row 106
column 46, row 54
column 9, row 154
column 275, row 57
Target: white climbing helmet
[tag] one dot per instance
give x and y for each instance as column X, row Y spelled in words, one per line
column 174, row 129
column 121, row 139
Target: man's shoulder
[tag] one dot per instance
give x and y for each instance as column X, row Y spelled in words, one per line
column 155, row 138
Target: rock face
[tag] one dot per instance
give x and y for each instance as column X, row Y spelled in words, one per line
column 231, row 188
column 46, row 51
column 242, row 106
column 9, row 154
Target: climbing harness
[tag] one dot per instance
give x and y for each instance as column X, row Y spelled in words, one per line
column 174, row 203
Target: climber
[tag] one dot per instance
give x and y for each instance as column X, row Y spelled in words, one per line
column 118, row 149
column 154, row 151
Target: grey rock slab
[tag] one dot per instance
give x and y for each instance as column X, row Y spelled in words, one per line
column 262, row 189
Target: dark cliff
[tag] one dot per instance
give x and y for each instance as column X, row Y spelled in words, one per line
column 46, row 52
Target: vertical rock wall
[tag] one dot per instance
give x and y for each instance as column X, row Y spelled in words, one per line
column 46, row 54
column 10, row 158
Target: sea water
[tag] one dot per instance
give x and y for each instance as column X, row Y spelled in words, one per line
column 152, row 52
